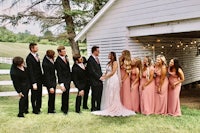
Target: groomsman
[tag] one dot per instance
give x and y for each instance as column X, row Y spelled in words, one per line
column 35, row 75
column 64, row 77
column 79, row 78
column 87, row 88
column 50, row 78
column 95, row 73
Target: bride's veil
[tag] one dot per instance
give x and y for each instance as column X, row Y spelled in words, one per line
column 118, row 69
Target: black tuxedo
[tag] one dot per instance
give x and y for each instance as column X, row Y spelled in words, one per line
column 35, row 76
column 79, row 77
column 64, row 76
column 49, row 81
column 21, row 84
column 95, row 74
column 86, row 90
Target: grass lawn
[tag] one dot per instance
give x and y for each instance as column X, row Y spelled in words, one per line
column 4, row 77
column 4, row 88
column 22, row 49
column 4, row 66
column 86, row 122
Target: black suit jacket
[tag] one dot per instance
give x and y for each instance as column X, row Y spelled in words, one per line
column 20, row 79
column 49, row 73
column 63, row 71
column 34, row 69
column 94, row 70
column 79, row 77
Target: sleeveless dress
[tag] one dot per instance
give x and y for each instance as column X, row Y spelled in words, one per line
column 174, row 108
column 161, row 98
column 111, row 103
column 147, row 95
column 125, row 91
column 135, row 96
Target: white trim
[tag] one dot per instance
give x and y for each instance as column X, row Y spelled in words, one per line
column 82, row 35
column 165, row 28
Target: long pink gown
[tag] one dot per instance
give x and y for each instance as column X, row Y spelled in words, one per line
column 174, row 108
column 111, row 103
column 126, row 91
column 147, row 95
column 161, row 98
column 135, row 96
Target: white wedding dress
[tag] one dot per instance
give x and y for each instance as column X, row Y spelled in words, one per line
column 111, row 103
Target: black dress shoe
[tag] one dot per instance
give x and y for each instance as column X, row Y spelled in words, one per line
column 35, row 112
column 26, row 112
column 52, row 112
column 20, row 115
column 93, row 109
column 78, row 112
column 65, row 113
column 85, row 107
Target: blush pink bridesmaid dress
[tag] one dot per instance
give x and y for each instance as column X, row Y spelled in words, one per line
column 161, row 98
column 147, row 95
column 174, row 108
column 126, row 91
column 135, row 96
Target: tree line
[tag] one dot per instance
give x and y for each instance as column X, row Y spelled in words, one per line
column 68, row 16
column 26, row 37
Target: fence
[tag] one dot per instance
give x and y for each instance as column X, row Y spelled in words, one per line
column 6, row 60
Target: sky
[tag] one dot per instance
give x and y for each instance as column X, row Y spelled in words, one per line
column 33, row 27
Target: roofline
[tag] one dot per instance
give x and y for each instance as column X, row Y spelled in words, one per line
column 82, row 34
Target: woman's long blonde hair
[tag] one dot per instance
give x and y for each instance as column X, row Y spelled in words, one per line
column 125, row 61
column 163, row 59
column 138, row 64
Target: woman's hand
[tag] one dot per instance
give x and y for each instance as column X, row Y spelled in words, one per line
column 159, row 89
column 143, row 87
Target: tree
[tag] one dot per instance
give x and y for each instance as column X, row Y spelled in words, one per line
column 6, row 35
column 98, row 4
column 68, row 16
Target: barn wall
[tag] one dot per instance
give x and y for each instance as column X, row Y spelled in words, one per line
column 111, row 31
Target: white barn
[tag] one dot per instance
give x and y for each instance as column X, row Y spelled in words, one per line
column 148, row 27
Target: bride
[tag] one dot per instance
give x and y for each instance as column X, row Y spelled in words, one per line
column 110, row 103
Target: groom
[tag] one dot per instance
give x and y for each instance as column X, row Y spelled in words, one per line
column 94, row 70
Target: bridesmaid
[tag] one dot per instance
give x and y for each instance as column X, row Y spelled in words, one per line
column 135, row 81
column 161, row 88
column 147, row 87
column 125, row 68
column 175, row 79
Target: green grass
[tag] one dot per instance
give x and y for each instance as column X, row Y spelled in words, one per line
column 5, row 88
column 4, row 77
column 4, row 66
column 86, row 122
column 22, row 49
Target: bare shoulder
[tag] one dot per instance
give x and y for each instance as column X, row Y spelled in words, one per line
column 115, row 63
column 180, row 70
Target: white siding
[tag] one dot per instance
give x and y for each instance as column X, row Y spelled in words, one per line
column 111, row 31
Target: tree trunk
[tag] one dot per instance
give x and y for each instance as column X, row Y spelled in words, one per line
column 70, row 27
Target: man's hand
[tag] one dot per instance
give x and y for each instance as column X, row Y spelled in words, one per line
column 63, row 89
column 102, row 78
column 21, row 95
column 35, row 86
column 51, row 90
column 81, row 93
